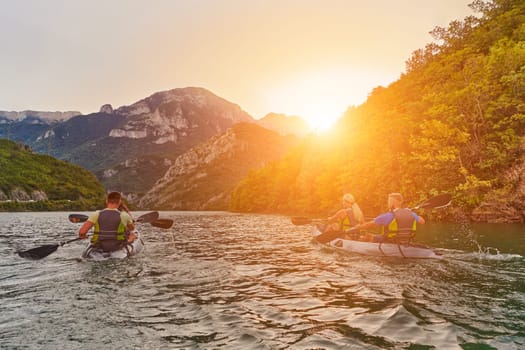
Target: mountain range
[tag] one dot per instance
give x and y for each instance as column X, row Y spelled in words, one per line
column 131, row 147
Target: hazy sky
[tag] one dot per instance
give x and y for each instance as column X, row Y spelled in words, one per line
column 312, row 58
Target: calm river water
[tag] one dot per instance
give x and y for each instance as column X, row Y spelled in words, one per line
column 221, row 280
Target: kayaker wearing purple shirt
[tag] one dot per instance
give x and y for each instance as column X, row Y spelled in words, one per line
column 397, row 225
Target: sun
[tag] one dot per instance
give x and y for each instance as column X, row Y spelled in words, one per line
column 320, row 115
column 320, row 97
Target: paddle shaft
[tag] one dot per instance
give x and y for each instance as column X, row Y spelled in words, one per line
column 72, row 240
column 151, row 218
column 300, row 220
column 147, row 218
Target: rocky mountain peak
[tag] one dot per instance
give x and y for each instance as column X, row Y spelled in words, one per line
column 196, row 97
column 107, row 108
column 46, row 117
column 169, row 116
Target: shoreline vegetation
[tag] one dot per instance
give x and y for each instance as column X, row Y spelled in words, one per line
column 46, row 205
column 35, row 182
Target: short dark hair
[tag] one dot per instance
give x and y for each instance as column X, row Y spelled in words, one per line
column 114, row 197
column 396, row 196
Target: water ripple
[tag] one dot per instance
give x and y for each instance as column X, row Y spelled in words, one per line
column 222, row 280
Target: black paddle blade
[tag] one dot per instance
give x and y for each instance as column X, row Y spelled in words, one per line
column 162, row 223
column 329, row 236
column 148, row 217
column 439, row 201
column 300, row 220
column 78, row 218
column 39, row 252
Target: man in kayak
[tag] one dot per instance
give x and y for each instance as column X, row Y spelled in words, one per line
column 112, row 227
column 345, row 218
column 397, row 225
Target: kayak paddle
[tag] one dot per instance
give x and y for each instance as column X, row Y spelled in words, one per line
column 329, row 236
column 162, row 223
column 152, row 218
column 437, row 202
column 43, row 251
column 301, row 220
column 77, row 218
column 147, row 218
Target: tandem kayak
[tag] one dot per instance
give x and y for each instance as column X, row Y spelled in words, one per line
column 381, row 249
column 135, row 248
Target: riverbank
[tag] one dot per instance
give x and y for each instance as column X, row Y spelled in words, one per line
column 47, row 205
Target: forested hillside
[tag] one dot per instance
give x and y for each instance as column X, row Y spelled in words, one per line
column 454, row 122
column 31, row 181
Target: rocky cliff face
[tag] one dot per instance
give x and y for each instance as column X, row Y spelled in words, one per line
column 203, row 177
column 18, row 194
column 171, row 115
column 144, row 171
column 505, row 206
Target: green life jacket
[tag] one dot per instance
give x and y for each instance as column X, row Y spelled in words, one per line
column 349, row 221
column 109, row 226
column 402, row 228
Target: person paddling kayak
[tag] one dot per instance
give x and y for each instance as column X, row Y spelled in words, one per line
column 112, row 227
column 397, row 225
column 345, row 218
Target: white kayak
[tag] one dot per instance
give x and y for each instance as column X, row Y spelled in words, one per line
column 135, row 248
column 381, row 249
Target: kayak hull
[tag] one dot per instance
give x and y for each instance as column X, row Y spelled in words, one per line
column 135, row 248
column 381, row 249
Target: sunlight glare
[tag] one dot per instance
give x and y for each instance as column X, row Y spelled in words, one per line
column 322, row 97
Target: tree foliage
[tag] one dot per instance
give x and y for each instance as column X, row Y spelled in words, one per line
column 61, row 186
column 454, row 121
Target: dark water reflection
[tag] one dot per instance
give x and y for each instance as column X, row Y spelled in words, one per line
column 220, row 280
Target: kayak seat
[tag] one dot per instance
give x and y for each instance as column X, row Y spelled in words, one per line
column 404, row 238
